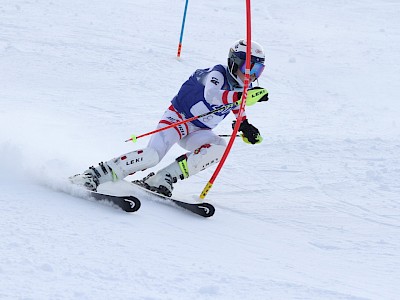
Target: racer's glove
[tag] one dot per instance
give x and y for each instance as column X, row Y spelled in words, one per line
column 254, row 95
column 250, row 134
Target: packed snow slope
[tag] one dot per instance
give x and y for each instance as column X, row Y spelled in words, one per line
column 311, row 213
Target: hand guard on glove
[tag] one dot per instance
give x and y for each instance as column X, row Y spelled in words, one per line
column 254, row 95
column 250, row 134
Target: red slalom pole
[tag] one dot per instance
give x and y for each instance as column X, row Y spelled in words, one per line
column 242, row 105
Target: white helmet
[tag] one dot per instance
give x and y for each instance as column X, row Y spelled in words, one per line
column 237, row 59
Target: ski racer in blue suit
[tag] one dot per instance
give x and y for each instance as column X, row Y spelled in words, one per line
column 219, row 87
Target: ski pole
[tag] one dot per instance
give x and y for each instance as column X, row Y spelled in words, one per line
column 227, row 135
column 221, row 108
column 183, row 27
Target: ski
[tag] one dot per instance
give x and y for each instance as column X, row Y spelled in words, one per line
column 126, row 203
column 203, row 209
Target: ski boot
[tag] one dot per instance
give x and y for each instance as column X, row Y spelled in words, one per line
column 162, row 182
column 188, row 164
column 92, row 177
column 116, row 168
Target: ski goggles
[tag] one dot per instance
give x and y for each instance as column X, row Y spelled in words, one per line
column 255, row 68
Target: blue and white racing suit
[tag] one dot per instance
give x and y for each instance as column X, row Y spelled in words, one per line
column 204, row 91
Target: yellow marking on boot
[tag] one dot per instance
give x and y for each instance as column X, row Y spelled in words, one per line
column 114, row 176
column 184, row 168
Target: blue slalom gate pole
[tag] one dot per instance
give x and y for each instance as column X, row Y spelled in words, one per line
column 182, row 29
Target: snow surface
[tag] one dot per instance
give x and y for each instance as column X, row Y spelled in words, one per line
column 311, row 213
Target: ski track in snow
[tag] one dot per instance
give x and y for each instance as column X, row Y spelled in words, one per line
column 311, row 213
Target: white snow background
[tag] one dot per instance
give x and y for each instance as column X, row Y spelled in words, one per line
column 311, row 213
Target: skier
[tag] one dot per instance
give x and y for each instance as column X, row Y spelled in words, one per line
column 204, row 91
